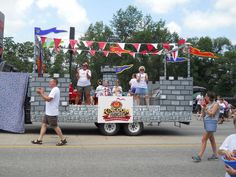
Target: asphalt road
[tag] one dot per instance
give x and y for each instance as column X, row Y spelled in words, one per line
column 163, row 151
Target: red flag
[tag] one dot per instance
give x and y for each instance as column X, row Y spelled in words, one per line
column 102, row 45
column 137, row 46
column 57, row 42
column 43, row 39
column 181, row 41
column 92, row 52
column 132, row 54
column 150, row 47
column 88, row 43
column 72, row 43
column 166, row 46
column 105, row 53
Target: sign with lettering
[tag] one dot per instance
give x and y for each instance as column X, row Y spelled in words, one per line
column 115, row 109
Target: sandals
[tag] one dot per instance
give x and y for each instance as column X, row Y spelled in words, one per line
column 61, row 143
column 37, row 142
column 196, row 158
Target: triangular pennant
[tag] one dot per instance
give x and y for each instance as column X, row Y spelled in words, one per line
column 175, row 55
column 160, row 52
column 181, row 41
column 51, row 44
column 144, row 52
column 88, row 43
column 149, row 47
column 102, row 45
column 57, row 42
column 105, row 53
column 79, row 51
column 132, row 54
column 121, row 45
column 72, row 43
column 92, row 52
column 166, row 46
column 137, row 46
column 155, row 46
column 50, row 50
column 43, row 39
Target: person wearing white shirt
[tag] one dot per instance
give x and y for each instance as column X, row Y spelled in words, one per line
column 117, row 89
column 83, row 85
column 228, row 149
column 51, row 112
column 106, row 89
column 142, row 87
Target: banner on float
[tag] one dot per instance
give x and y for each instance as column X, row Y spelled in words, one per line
column 113, row 109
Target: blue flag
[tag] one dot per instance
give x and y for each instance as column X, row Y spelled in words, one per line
column 120, row 69
column 39, row 31
column 178, row 59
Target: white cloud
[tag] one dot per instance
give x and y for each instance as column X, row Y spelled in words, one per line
column 162, row 6
column 70, row 11
column 173, row 27
column 15, row 15
column 220, row 16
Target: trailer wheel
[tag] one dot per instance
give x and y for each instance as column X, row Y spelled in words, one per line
column 109, row 129
column 133, row 129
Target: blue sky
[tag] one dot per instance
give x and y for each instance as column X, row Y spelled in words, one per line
column 190, row 18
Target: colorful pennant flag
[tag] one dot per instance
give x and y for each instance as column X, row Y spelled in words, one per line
column 178, row 59
column 43, row 39
column 72, row 43
column 39, row 31
column 92, row 52
column 166, row 46
column 102, row 45
column 137, row 46
column 105, row 53
column 120, row 69
column 197, row 52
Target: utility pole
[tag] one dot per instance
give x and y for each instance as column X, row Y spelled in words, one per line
column 71, row 36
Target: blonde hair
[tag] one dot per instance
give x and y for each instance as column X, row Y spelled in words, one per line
column 141, row 67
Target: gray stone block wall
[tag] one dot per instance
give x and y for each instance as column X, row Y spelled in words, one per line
column 109, row 74
column 88, row 114
column 37, row 103
column 176, row 94
column 173, row 105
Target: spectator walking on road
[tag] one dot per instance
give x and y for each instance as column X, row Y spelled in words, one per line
column 211, row 114
column 51, row 112
column 199, row 99
column 228, row 149
column 222, row 110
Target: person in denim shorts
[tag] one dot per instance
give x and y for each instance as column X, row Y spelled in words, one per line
column 142, row 87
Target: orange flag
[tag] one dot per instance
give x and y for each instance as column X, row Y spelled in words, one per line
column 197, row 52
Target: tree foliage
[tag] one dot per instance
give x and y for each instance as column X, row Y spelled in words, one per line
column 130, row 25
